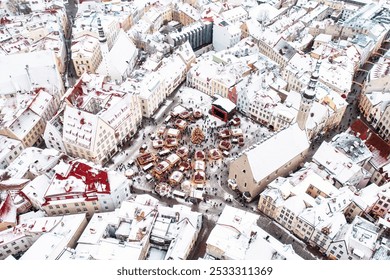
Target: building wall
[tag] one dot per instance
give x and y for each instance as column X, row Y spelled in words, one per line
column 53, row 138
column 294, row 82
column 225, row 37
column 338, row 250
column 14, row 151
column 352, row 211
column 218, row 87
column 34, row 135
column 266, row 205
column 286, row 218
column 102, row 148
column 216, row 252
column 321, row 240
column 87, row 61
column 303, row 229
column 365, row 105
column 68, row 207
column 334, row 119
column 196, row 35
column 16, row 246
column 382, row 206
column 245, row 181
column 279, row 121
column 151, row 102
column 198, row 82
column 125, row 130
column 381, row 176
column 383, row 126
column 185, row 19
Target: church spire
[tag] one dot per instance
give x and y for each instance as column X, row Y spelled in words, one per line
column 308, row 97
column 102, row 36
column 314, row 76
column 104, row 50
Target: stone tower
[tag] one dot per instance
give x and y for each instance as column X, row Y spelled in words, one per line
column 103, row 48
column 308, row 97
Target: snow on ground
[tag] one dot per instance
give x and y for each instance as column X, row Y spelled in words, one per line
column 162, row 109
column 216, row 171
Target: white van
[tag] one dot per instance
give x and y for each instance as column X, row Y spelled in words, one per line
column 147, row 167
column 148, row 177
column 164, row 153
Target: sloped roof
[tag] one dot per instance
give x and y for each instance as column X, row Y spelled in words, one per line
column 277, row 151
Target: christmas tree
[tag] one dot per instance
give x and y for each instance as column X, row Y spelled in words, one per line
column 197, row 135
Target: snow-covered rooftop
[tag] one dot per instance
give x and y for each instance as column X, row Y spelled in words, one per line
column 236, row 236
column 337, row 164
column 83, row 179
column 123, row 234
column 22, row 71
column 224, row 103
column 7, row 145
column 50, row 245
column 352, row 146
column 276, row 151
column 34, row 160
column 120, row 55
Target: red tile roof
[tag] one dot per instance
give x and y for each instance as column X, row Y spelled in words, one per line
column 90, row 176
column 379, row 147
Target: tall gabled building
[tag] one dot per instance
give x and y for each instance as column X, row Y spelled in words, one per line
column 97, row 117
